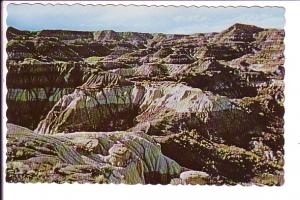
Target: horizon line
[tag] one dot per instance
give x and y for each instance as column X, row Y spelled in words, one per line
column 81, row 30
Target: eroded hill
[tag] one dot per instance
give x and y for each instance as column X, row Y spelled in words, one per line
column 128, row 107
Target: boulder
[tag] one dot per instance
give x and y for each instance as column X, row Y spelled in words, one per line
column 194, row 178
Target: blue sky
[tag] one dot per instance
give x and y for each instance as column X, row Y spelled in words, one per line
column 140, row 19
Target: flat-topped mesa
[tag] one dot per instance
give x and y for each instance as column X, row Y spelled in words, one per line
column 66, row 34
column 12, row 33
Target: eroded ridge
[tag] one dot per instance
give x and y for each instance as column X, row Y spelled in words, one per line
column 128, row 107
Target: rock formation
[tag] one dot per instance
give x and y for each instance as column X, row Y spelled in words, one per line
column 97, row 157
column 128, row 107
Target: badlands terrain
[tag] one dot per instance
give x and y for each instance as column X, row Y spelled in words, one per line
column 128, row 107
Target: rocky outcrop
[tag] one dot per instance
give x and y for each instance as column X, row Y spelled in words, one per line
column 226, row 164
column 39, row 85
column 164, row 107
column 238, row 33
column 128, row 107
column 194, row 177
column 105, row 102
column 94, row 157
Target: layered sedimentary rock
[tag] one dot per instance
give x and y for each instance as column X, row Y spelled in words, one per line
column 127, row 107
column 95, row 157
column 37, row 84
column 103, row 103
column 225, row 163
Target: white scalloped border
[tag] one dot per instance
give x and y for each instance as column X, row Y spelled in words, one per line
column 291, row 142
